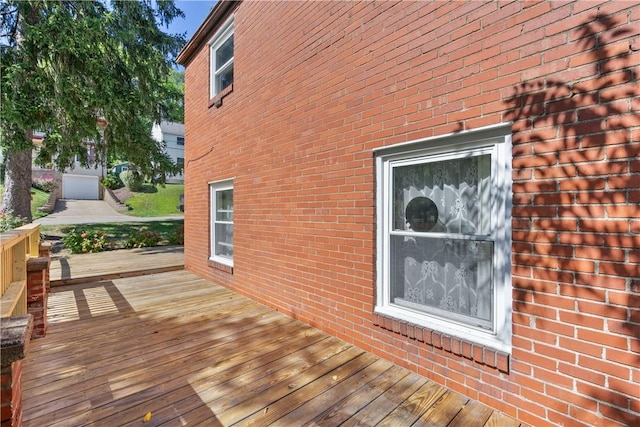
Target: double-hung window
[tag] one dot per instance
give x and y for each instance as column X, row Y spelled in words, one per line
column 444, row 234
column 221, row 197
column 221, row 57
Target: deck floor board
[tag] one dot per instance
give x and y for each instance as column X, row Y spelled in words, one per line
column 191, row 352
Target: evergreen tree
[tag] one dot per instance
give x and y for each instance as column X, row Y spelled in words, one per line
column 68, row 68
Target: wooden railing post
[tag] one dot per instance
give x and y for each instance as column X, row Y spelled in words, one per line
column 19, row 261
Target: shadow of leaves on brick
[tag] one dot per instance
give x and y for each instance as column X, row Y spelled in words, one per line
column 576, row 196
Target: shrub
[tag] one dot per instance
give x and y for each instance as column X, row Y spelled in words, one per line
column 177, row 236
column 133, row 180
column 46, row 184
column 85, row 241
column 112, row 182
column 143, row 239
column 9, row 221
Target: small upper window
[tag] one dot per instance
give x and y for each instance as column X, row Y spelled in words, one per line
column 180, row 140
column 221, row 55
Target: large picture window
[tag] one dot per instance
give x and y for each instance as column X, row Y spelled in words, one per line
column 221, row 196
column 221, row 57
column 444, row 234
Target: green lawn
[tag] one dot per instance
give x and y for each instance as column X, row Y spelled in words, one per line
column 155, row 201
column 38, row 199
column 117, row 233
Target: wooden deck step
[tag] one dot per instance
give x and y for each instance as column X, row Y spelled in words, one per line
column 96, row 267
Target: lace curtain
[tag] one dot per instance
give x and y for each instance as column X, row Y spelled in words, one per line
column 444, row 274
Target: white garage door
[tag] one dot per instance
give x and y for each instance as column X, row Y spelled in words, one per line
column 79, row 187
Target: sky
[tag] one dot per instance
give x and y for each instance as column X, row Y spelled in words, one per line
column 195, row 11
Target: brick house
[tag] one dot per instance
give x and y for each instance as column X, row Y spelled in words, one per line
column 453, row 186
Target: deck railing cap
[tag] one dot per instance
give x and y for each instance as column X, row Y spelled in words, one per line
column 12, row 237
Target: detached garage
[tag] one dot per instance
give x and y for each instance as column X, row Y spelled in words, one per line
column 81, row 187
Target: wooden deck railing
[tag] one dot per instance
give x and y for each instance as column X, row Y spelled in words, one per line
column 16, row 247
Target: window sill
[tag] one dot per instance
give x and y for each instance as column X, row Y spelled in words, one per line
column 478, row 353
column 217, row 100
column 220, row 266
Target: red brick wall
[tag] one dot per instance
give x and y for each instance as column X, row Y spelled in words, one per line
column 319, row 85
column 11, row 395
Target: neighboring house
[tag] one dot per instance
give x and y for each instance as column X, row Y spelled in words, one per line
column 454, row 186
column 80, row 182
column 172, row 134
column 77, row 182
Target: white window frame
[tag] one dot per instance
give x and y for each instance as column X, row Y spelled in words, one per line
column 495, row 140
column 215, row 187
column 216, row 42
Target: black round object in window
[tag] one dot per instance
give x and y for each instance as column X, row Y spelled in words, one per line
column 421, row 214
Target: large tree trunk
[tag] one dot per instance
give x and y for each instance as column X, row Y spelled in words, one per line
column 17, row 184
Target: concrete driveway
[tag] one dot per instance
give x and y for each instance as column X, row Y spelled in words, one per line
column 91, row 211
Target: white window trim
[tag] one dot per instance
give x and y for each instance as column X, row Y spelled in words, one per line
column 213, row 188
column 498, row 140
column 221, row 36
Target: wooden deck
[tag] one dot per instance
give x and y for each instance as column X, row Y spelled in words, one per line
column 190, row 352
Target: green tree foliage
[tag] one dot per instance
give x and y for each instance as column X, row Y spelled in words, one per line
column 132, row 179
column 174, row 103
column 66, row 65
column 112, row 181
